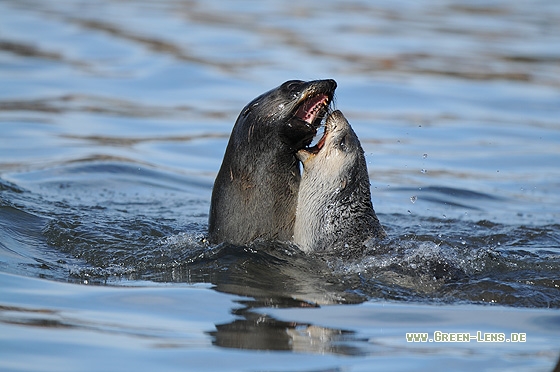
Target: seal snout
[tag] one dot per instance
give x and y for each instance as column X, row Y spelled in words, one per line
column 335, row 116
column 314, row 100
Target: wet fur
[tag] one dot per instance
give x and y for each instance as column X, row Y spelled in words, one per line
column 255, row 191
column 335, row 213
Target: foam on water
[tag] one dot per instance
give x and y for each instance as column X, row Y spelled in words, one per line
column 427, row 261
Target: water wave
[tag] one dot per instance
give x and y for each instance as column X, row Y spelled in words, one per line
column 85, row 237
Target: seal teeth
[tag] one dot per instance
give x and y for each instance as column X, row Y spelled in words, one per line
column 311, row 108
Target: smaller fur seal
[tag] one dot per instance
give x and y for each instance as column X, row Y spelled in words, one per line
column 334, row 211
column 255, row 192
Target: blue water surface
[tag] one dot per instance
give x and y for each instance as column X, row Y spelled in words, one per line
column 114, row 119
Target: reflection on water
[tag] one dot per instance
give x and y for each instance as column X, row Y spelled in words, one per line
column 115, row 116
column 260, row 332
column 141, row 322
column 257, row 331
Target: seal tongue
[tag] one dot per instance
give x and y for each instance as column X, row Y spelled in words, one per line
column 309, row 110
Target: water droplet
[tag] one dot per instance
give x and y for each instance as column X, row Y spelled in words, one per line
column 424, row 156
column 424, row 170
column 444, row 216
column 413, row 199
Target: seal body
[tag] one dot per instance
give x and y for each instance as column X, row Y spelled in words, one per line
column 334, row 210
column 255, row 191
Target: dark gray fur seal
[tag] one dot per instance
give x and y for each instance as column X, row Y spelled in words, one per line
column 334, row 211
column 255, row 191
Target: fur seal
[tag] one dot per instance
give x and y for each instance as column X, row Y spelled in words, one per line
column 334, row 210
column 255, row 191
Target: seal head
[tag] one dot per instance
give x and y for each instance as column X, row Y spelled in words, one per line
column 255, row 191
column 334, row 212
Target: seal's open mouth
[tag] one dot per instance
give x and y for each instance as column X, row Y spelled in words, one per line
column 313, row 109
column 307, row 115
column 314, row 149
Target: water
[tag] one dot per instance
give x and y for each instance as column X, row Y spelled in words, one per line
column 115, row 118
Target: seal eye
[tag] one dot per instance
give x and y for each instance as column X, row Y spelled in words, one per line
column 293, row 87
column 342, row 144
